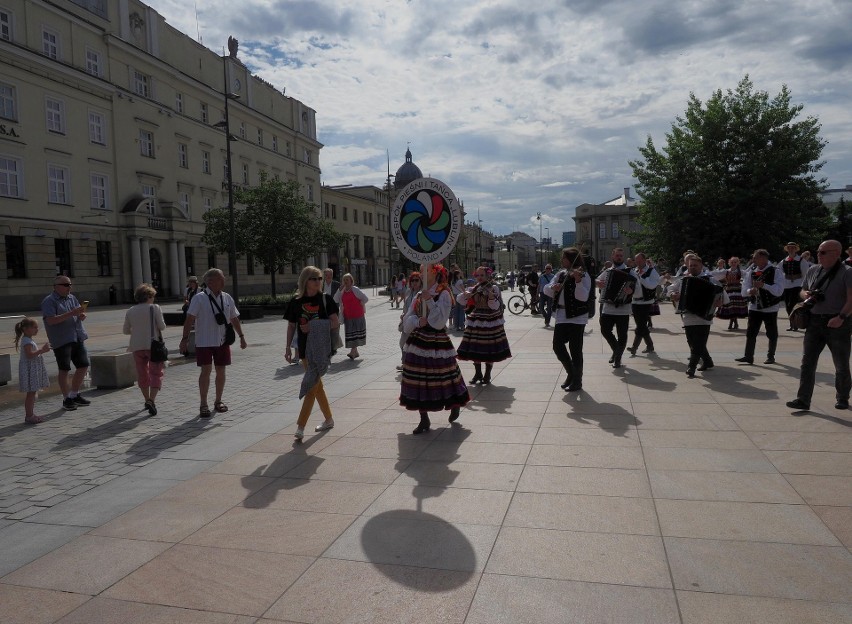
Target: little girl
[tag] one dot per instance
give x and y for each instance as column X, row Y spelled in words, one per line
column 32, row 373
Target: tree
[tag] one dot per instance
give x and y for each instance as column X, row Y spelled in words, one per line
column 842, row 228
column 274, row 224
column 736, row 174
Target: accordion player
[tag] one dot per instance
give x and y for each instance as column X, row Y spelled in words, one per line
column 618, row 287
column 699, row 296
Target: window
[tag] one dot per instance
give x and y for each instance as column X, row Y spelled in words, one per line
column 242, row 130
column 183, row 158
column 615, row 229
column 141, row 83
column 211, row 259
column 184, row 203
column 179, row 102
column 288, row 149
column 62, row 252
column 245, row 173
column 11, row 182
column 356, row 246
column 354, row 215
column 146, row 143
column 308, row 156
column 345, row 213
column 369, row 250
column 327, row 212
column 205, row 162
column 333, row 211
column 370, row 216
column 97, row 125
column 259, row 136
column 50, row 43
column 310, row 192
column 55, row 111
column 205, row 117
column 274, row 143
column 16, row 259
column 98, row 191
column 8, row 102
column 93, row 62
column 601, row 230
column 208, row 204
column 189, row 259
column 104, row 252
column 5, row 25
column 149, row 191
column 58, row 179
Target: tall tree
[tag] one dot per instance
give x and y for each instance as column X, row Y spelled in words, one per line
column 842, row 227
column 736, row 174
column 272, row 223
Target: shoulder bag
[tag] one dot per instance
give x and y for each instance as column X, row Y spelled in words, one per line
column 159, row 352
column 800, row 315
column 221, row 319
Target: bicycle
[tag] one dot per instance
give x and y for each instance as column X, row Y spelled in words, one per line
column 518, row 303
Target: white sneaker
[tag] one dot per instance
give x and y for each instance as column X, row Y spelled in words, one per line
column 300, row 433
column 326, row 425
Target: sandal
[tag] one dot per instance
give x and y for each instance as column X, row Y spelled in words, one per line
column 33, row 420
column 204, row 412
column 219, row 406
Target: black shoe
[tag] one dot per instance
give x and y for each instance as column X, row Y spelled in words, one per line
column 566, row 383
column 769, row 360
column 454, row 414
column 798, row 404
column 68, row 404
column 423, row 426
column 476, row 378
column 616, row 364
column 792, row 329
column 745, row 360
column 612, row 359
column 487, row 379
column 690, row 372
column 575, row 387
column 842, row 404
column 705, row 366
column 648, row 350
column 152, row 409
column 79, row 400
column 632, row 351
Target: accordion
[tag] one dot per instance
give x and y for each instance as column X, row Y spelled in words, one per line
column 698, row 296
column 616, row 284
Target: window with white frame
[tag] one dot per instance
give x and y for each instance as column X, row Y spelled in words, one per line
column 601, row 230
column 98, row 191
column 58, row 179
column 205, row 162
column 615, row 229
column 146, row 143
column 50, row 43
column 308, row 156
column 5, row 25
column 184, row 203
column 179, row 102
column 94, row 65
column 141, row 83
column 97, row 128
column 208, row 204
column 288, row 149
column 8, row 102
column 245, row 173
column 11, row 177
column 205, row 113
column 55, row 112
column 183, row 156
column 242, row 130
column 149, row 192
column 259, row 136
column 311, row 195
column 274, row 143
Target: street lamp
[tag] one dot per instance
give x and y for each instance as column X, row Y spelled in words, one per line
column 390, row 217
column 538, row 216
column 547, row 238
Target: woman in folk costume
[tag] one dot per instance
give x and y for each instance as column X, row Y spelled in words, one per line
column 431, row 379
column 737, row 306
column 484, row 336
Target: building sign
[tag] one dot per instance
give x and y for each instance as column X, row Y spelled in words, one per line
column 426, row 221
column 8, row 131
column 357, row 261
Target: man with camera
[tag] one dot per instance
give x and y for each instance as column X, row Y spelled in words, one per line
column 827, row 291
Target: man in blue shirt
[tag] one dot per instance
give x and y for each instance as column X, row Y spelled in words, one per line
column 63, row 321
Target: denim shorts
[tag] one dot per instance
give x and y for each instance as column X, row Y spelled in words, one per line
column 72, row 352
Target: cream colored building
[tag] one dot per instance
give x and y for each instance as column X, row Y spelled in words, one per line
column 108, row 152
column 603, row 227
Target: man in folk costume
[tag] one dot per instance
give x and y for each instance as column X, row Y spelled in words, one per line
column 644, row 296
column 615, row 313
column 764, row 288
column 793, row 268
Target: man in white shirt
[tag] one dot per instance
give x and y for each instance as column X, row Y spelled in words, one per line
column 647, row 280
column 793, row 268
column 763, row 285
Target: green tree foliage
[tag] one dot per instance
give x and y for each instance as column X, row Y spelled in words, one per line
column 274, row 224
column 736, row 174
column 842, row 228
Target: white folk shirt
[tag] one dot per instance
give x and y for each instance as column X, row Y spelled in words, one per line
column 776, row 289
column 688, row 318
column 650, row 281
column 795, row 283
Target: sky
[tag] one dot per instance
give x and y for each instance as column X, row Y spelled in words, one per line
column 525, row 108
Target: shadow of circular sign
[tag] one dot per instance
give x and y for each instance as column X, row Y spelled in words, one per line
column 405, row 540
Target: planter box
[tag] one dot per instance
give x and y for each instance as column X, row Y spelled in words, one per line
column 174, row 318
column 113, row 370
column 6, row 369
column 250, row 313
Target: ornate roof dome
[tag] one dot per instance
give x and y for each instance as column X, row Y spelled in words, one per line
column 408, row 172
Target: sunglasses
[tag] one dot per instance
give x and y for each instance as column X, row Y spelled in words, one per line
column 61, row 284
column 315, row 279
column 825, row 252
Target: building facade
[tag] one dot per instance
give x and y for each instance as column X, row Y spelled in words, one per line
column 602, row 227
column 110, row 154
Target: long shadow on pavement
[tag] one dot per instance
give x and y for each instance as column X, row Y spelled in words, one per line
column 151, row 446
column 297, row 456
column 102, row 432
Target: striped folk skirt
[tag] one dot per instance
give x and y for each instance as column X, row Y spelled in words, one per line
column 737, row 307
column 484, row 337
column 356, row 331
column 431, row 379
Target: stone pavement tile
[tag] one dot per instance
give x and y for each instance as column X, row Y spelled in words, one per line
column 803, row 441
column 806, row 422
column 476, row 452
column 614, row 558
column 505, row 406
column 588, row 436
column 455, row 505
column 521, row 600
column 415, row 538
column 25, row 513
column 265, row 423
column 474, row 416
column 462, row 475
column 212, row 579
column 794, row 571
column 572, row 512
column 7, row 461
column 811, row 462
column 723, row 486
column 695, row 439
column 580, row 404
column 353, row 469
column 364, row 402
column 105, row 610
column 711, row 460
column 392, row 431
column 708, row 608
column 667, row 396
column 586, row 456
column 315, row 495
column 593, row 481
column 755, row 522
column 176, row 469
column 219, row 446
column 462, row 432
column 87, row 565
column 378, row 594
column 404, row 447
column 159, row 521
column 273, row 530
column 839, row 521
column 222, row 490
column 259, row 464
column 684, row 420
column 27, row 605
column 615, row 422
column 283, row 443
column 823, row 490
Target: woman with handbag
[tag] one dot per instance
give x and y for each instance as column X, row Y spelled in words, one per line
column 353, row 301
column 144, row 324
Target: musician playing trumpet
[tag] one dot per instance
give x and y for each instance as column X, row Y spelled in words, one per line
column 763, row 286
column 616, row 308
column 570, row 290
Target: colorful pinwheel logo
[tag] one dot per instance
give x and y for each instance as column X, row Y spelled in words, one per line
column 425, row 221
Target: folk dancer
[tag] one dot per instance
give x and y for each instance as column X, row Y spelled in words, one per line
column 828, row 286
column 431, row 379
column 570, row 290
column 615, row 313
column 763, row 285
column 697, row 328
column 644, row 296
column 737, row 306
column 794, row 267
column 484, row 337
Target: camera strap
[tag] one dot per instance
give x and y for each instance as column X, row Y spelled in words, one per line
column 827, row 277
column 215, row 306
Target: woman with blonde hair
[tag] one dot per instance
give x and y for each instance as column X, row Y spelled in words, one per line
column 143, row 322
column 312, row 315
column 353, row 301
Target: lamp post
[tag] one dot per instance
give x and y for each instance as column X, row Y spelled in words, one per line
column 547, row 238
column 538, row 216
column 390, row 217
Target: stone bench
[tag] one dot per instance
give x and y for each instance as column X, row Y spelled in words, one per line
column 6, row 369
column 174, row 318
column 112, row 370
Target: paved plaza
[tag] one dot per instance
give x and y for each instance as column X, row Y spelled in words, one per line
column 647, row 498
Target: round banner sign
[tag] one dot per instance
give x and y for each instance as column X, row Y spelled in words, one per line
column 426, row 221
